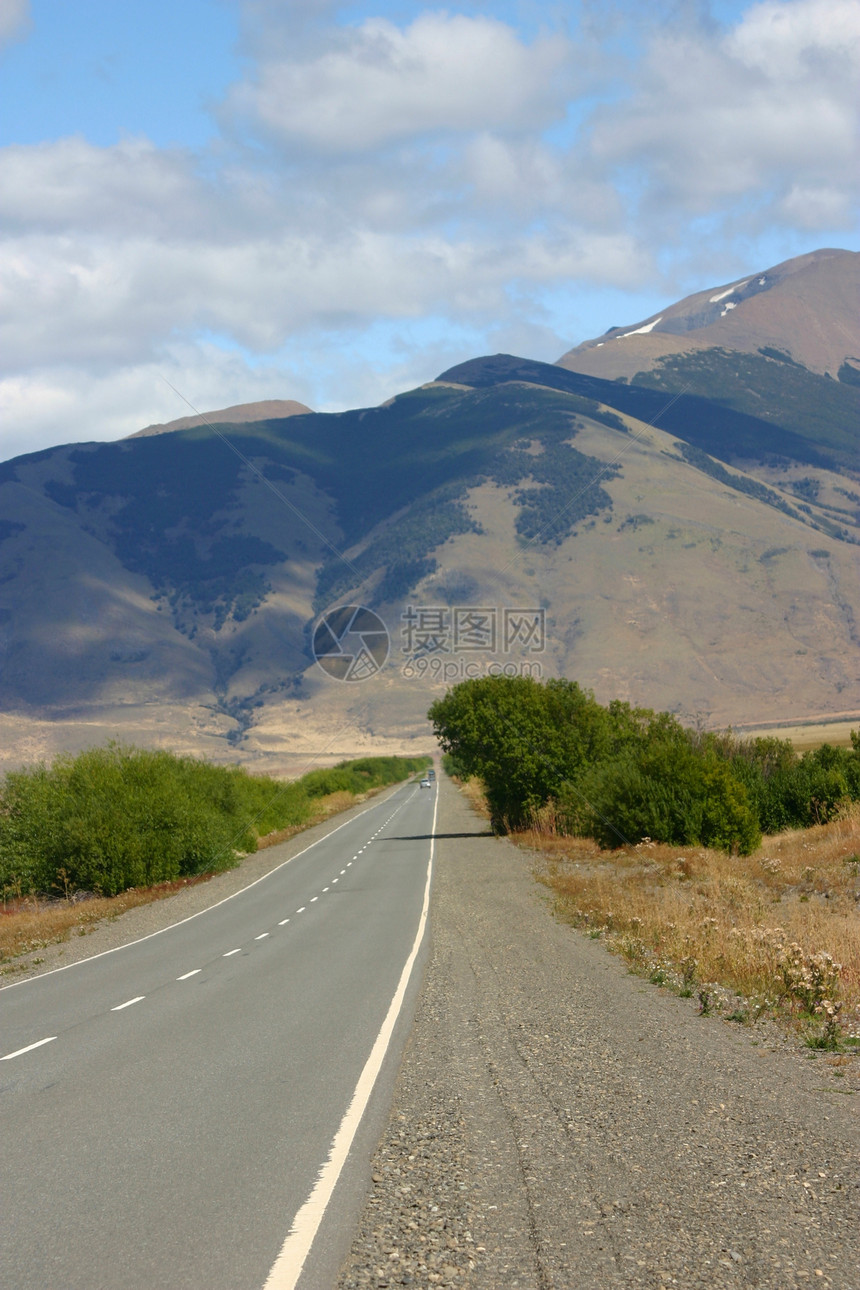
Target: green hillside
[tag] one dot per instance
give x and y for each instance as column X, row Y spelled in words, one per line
column 397, row 475
column 772, row 387
column 710, row 431
column 171, row 581
column 699, row 419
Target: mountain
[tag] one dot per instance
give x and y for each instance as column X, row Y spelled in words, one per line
column 781, row 345
column 803, row 311
column 239, row 414
column 662, row 545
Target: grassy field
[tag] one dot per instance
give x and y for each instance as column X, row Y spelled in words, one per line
column 775, row 934
column 805, row 736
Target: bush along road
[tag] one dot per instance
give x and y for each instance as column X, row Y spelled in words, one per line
column 560, row 1123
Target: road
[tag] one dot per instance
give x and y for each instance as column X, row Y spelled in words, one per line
column 560, row 1124
column 169, row 1108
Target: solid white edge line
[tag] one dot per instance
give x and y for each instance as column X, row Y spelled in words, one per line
column 19, row 1052
column 13, row 985
column 287, row 1268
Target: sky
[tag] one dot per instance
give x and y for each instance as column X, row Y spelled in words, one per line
column 301, row 199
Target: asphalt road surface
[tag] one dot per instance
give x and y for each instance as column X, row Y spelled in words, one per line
column 169, row 1108
column 560, row 1124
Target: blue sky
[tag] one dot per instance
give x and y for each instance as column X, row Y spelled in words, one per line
column 104, row 70
column 332, row 203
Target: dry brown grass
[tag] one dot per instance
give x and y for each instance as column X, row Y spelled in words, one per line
column 807, row 735
column 761, row 927
column 474, row 795
column 32, row 924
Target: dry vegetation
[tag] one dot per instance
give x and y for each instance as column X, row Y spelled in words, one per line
column 774, row 934
column 31, row 924
column 806, row 736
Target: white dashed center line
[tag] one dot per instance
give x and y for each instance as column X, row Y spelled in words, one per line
column 20, row 1051
column 119, row 1007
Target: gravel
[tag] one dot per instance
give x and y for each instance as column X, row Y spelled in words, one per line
column 560, row 1123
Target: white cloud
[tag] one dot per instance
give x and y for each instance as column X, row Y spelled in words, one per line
column 72, row 183
column 809, row 207
column 791, row 41
column 409, row 198
column 81, row 300
column 379, row 83
column 516, row 180
column 768, row 108
column 70, row 404
column 14, row 19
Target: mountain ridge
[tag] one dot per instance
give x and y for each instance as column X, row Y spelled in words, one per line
column 682, row 552
column 237, row 414
column 780, row 308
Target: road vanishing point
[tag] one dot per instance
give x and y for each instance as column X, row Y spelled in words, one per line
column 190, row 1110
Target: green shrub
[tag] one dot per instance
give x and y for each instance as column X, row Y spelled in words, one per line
column 668, row 792
column 789, row 791
column 452, row 765
column 523, row 738
column 113, row 818
column 621, row 773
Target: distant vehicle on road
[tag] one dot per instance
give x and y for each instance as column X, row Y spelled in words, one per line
column 425, row 783
column 431, row 774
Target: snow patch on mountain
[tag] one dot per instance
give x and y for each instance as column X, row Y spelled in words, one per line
column 641, row 331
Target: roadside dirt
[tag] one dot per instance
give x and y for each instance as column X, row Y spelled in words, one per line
column 559, row 1123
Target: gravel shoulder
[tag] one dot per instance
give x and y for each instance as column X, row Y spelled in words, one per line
column 560, row 1123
